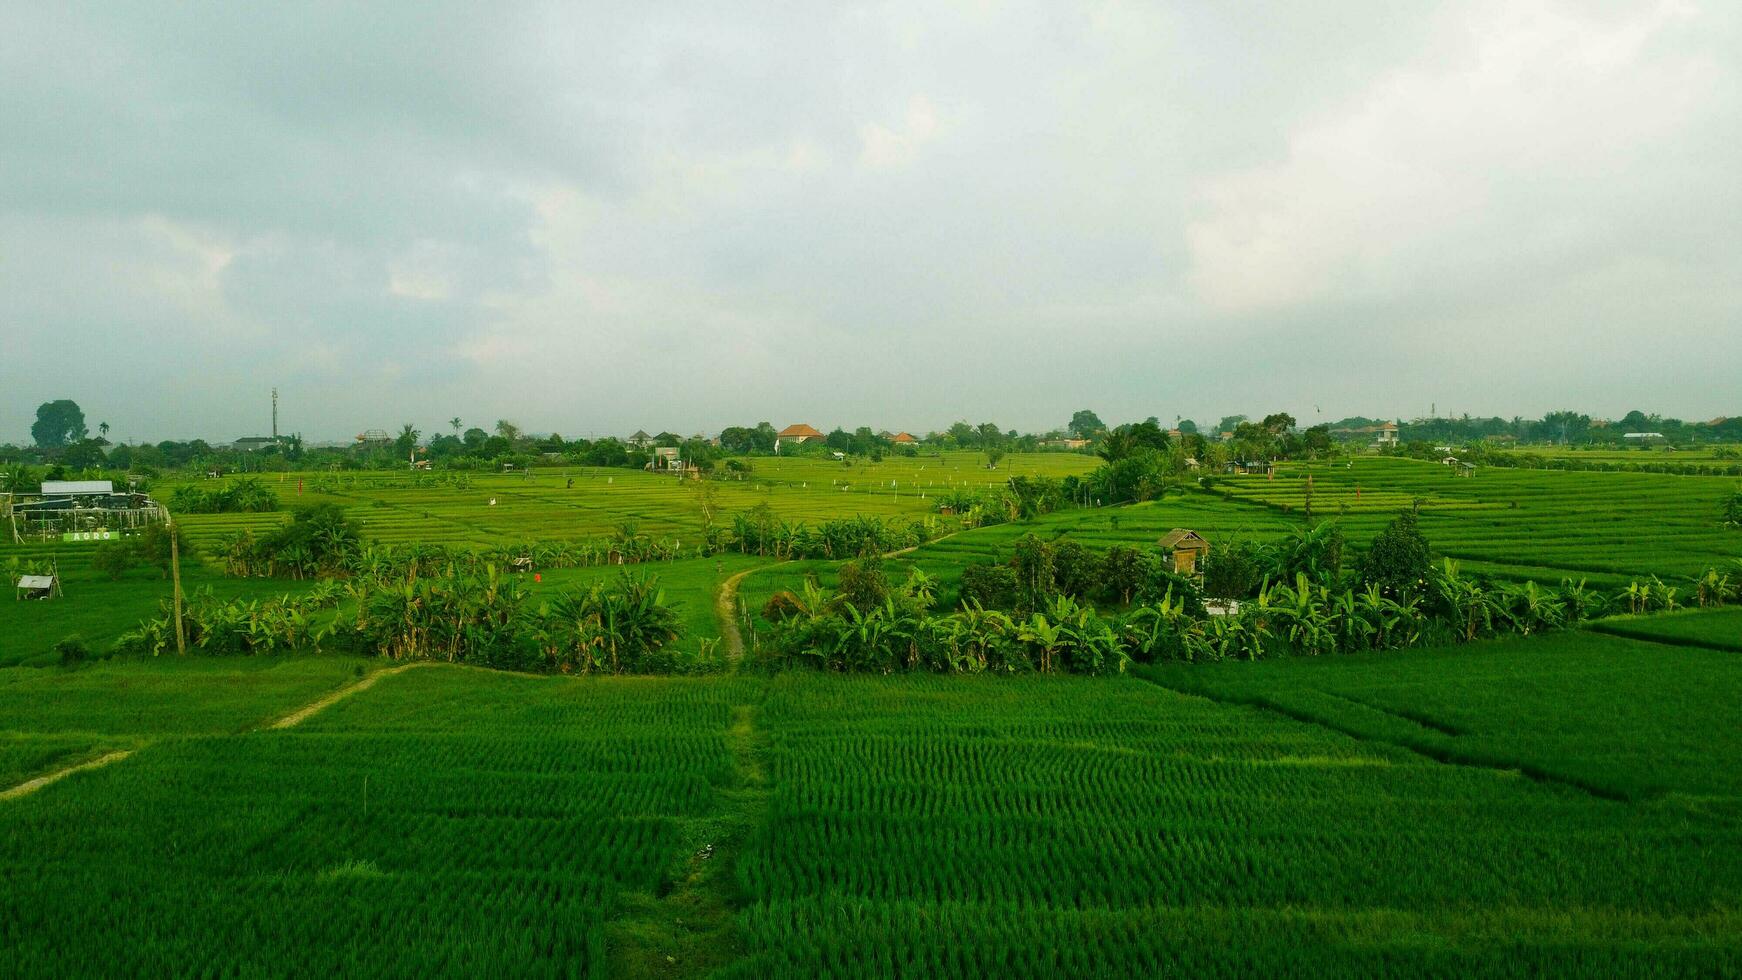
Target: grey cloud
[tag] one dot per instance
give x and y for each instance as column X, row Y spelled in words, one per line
column 585, row 216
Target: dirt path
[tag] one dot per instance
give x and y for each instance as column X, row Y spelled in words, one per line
column 897, row 553
column 726, row 610
column 688, row 927
column 296, row 717
column 32, row 785
column 726, row 601
column 303, row 713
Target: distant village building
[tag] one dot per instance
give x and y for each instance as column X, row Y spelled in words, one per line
column 249, row 444
column 1186, row 549
column 1643, row 438
column 1386, row 438
column 797, row 434
column 1071, row 444
column 903, row 439
column 640, row 440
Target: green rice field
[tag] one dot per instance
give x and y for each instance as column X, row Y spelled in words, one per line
column 1717, row 629
column 452, row 820
column 541, row 505
column 1607, row 528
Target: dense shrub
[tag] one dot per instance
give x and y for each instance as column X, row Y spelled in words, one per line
column 243, row 496
column 1398, row 561
column 72, row 651
column 114, row 558
column 992, row 586
column 486, row 619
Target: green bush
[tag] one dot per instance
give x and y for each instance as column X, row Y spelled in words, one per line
column 114, row 558
column 989, row 585
column 72, row 651
column 1398, row 561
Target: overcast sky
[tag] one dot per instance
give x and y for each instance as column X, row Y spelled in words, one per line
column 594, row 218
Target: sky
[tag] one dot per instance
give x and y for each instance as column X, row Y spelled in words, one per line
column 594, row 218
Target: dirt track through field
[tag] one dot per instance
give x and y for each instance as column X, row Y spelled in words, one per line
column 726, row 610
column 303, row 713
column 32, row 785
column 726, row 602
column 296, row 717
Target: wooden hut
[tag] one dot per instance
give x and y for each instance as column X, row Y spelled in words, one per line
column 1187, row 549
column 38, row 586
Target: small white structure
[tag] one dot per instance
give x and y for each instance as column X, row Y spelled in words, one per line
column 1633, row 438
column 38, row 586
column 77, row 488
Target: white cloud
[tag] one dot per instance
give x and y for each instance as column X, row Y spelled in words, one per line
column 882, row 147
column 1519, row 133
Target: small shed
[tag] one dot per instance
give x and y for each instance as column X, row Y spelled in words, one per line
column 38, row 586
column 1187, row 549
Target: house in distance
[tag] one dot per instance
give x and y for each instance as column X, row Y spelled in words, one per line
column 796, row 434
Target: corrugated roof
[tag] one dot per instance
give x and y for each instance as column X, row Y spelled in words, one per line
column 36, row 581
column 1178, row 536
column 52, row 488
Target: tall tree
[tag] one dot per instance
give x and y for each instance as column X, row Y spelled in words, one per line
column 1566, row 426
column 1085, row 424
column 407, row 440
column 456, row 423
column 58, row 423
column 103, row 429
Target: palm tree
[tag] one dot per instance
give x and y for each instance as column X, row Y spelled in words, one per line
column 455, row 422
column 103, row 427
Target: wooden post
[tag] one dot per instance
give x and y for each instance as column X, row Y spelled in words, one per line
column 181, row 640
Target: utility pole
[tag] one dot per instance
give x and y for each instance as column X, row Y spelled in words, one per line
column 181, row 639
column 275, row 416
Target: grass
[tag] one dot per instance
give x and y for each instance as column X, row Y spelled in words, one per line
column 97, row 609
column 1614, row 716
column 167, row 695
column 24, row 756
column 1718, row 629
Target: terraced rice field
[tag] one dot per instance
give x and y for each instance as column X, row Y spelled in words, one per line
column 51, row 718
column 931, row 827
column 542, row 506
column 1137, row 525
column 1619, row 717
column 1608, row 528
column 445, row 822
column 1717, row 629
column 453, row 820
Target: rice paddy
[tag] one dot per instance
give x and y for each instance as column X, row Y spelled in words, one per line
column 1559, row 805
column 452, row 820
column 1604, row 527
